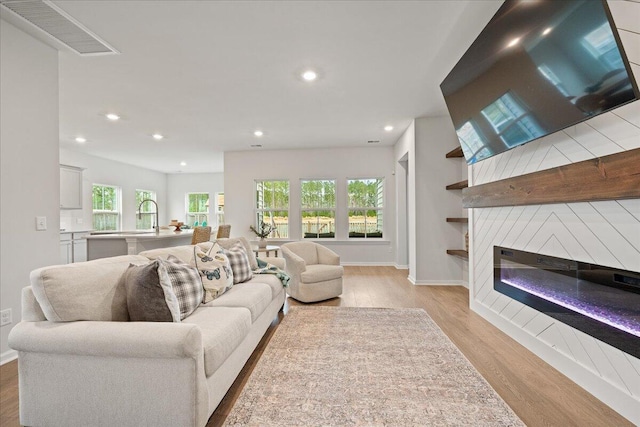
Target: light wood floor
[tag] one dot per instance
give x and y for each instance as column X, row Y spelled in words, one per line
column 539, row 394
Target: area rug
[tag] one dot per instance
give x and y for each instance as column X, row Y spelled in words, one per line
column 337, row 366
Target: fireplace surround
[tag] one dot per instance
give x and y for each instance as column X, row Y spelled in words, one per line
column 600, row 301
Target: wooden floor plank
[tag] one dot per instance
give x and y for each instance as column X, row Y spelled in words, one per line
column 539, row 394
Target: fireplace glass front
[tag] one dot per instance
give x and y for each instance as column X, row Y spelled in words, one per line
column 601, row 301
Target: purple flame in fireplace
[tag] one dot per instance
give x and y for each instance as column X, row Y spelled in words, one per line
column 613, row 307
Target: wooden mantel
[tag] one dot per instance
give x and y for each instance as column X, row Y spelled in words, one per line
column 612, row 177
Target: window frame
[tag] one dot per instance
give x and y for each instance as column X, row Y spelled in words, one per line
column 380, row 209
column 197, row 215
column 318, row 234
column 261, row 210
column 107, row 212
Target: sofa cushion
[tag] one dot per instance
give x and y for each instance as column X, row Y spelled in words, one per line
column 184, row 253
column 215, row 271
column 92, row 290
column 321, row 273
column 268, row 279
column 223, row 329
column 229, row 242
column 254, row 296
column 239, row 263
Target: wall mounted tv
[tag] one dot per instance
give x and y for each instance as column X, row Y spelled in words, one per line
column 536, row 68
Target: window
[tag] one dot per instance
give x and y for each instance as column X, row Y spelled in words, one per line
column 272, row 206
column 602, row 45
column 145, row 213
column 553, row 78
column 197, row 209
column 471, row 142
column 366, row 197
column 106, row 207
column 511, row 121
column 220, row 208
column 318, row 211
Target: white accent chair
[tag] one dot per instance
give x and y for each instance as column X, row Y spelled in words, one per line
column 315, row 271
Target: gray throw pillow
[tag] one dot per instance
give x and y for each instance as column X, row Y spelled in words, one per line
column 148, row 298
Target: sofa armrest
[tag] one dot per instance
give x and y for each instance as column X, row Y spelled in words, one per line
column 327, row 256
column 114, row 339
column 294, row 264
column 278, row 262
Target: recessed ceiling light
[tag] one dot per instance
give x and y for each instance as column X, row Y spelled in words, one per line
column 258, row 133
column 514, row 42
column 81, row 140
column 113, row 117
column 157, row 136
column 546, row 31
column 309, row 75
column 183, row 163
column 388, row 128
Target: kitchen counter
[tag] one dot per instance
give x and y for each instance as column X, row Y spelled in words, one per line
column 108, row 244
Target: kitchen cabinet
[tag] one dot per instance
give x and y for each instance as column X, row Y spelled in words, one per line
column 73, row 246
column 66, row 248
column 70, row 187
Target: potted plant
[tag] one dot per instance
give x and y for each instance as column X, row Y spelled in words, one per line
column 262, row 232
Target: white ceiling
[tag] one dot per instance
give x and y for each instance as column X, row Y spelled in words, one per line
column 206, row 74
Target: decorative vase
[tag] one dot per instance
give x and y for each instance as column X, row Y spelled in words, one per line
column 262, row 243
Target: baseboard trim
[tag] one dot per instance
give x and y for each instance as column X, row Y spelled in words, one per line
column 401, row 267
column 8, row 356
column 441, row 283
column 411, row 279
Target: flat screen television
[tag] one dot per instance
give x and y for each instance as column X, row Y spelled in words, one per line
column 536, row 68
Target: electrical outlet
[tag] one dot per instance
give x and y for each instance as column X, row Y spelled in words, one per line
column 79, row 220
column 41, row 223
column 5, row 317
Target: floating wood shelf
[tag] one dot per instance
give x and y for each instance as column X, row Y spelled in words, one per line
column 462, row 220
column 456, row 152
column 459, row 253
column 612, row 177
column 458, row 185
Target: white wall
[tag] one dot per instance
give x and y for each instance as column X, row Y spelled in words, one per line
column 242, row 168
column 129, row 178
column 405, row 165
column 435, row 137
column 29, row 165
column 605, row 233
column 424, row 145
column 178, row 185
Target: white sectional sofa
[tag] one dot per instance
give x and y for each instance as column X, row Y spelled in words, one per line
column 107, row 371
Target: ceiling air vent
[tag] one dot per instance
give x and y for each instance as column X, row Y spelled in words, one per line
column 56, row 23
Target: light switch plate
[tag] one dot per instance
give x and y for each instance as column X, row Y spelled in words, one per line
column 5, row 317
column 41, row 223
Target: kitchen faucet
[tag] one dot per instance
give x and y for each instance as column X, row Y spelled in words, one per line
column 157, row 226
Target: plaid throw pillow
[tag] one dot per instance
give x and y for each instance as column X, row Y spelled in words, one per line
column 239, row 263
column 215, row 271
column 185, row 282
